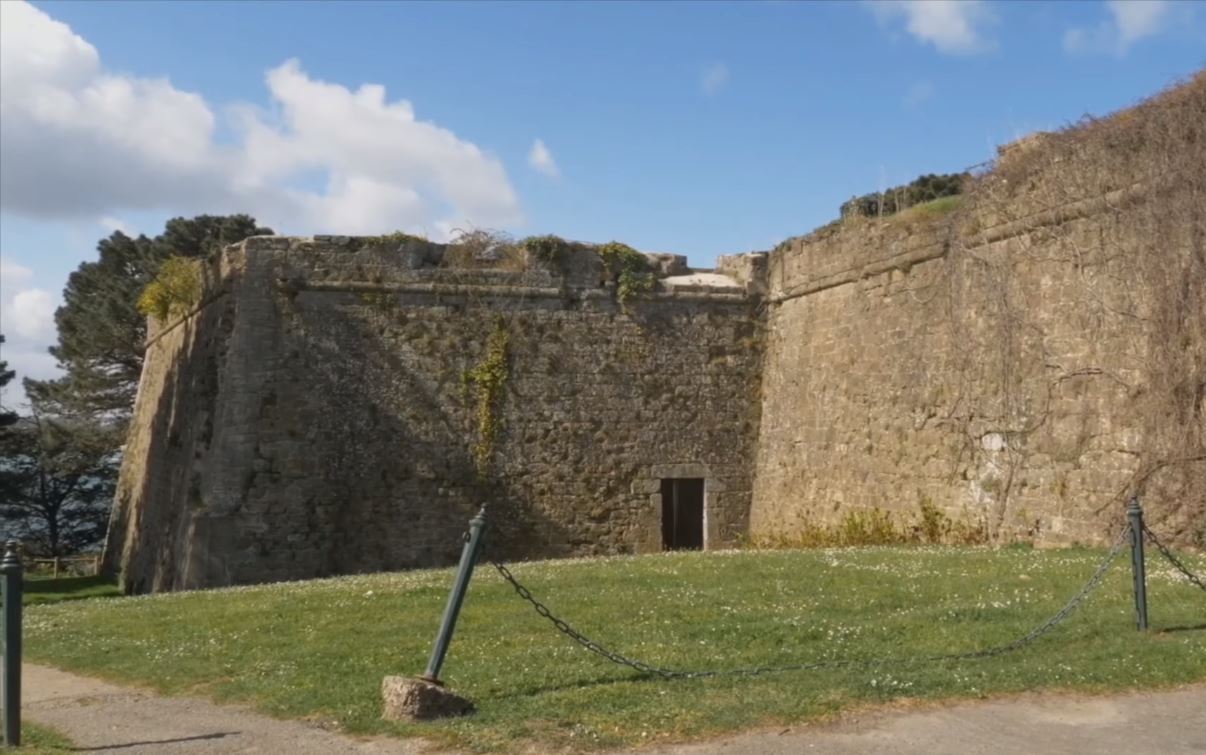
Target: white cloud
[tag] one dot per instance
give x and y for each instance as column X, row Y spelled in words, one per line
column 112, row 225
column 27, row 322
column 82, row 142
column 714, row 78
column 956, row 27
column 11, row 272
column 30, row 315
column 540, row 158
column 1130, row 21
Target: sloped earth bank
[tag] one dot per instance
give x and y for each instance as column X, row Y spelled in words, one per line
column 101, row 717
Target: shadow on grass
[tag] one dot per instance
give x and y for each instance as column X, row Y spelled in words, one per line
column 1185, row 628
column 39, row 591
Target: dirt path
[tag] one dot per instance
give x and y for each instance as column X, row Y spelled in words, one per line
column 1144, row 723
column 102, row 717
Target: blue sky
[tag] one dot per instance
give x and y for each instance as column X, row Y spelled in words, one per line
column 700, row 129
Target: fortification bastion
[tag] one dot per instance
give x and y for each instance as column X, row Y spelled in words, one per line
column 1017, row 362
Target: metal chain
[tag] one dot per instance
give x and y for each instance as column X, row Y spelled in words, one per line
column 669, row 673
column 1168, row 554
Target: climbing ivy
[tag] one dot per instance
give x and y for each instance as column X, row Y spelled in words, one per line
column 628, row 268
column 486, row 381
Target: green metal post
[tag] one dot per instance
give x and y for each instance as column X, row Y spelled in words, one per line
column 1134, row 512
column 10, row 568
column 456, row 598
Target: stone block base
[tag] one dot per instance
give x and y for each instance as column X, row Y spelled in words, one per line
column 409, row 699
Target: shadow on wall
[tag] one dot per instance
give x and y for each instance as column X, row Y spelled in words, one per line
column 395, row 480
column 165, row 489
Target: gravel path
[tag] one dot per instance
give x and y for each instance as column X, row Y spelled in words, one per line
column 102, row 717
column 1144, row 723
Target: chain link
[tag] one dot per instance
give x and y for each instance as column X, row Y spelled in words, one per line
column 1176, row 562
column 668, row 673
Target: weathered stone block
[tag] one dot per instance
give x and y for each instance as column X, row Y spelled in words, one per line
column 408, row 699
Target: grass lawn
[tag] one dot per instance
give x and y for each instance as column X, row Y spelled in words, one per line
column 319, row 649
column 39, row 740
column 38, row 590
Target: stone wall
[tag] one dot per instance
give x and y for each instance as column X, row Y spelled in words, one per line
column 313, row 418
column 1025, row 361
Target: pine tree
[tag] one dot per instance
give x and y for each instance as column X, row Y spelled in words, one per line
column 101, row 331
column 57, row 476
column 7, row 418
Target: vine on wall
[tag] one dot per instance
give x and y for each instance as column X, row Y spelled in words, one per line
column 1134, row 273
column 485, row 383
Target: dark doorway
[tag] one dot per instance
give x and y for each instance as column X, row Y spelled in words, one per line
column 682, row 514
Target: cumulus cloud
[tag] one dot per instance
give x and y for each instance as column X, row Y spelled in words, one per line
column 81, row 141
column 30, row 315
column 11, row 272
column 27, row 322
column 714, row 78
column 956, row 27
column 112, row 224
column 1129, row 21
column 541, row 159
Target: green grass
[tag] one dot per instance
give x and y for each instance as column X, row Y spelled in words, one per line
column 39, row 740
column 319, row 649
column 933, row 208
column 39, row 590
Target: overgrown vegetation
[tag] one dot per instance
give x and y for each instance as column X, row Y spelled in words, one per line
column 481, row 249
column 484, row 383
column 932, row 209
column 284, row 648
column 395, row 239
column 549, row 250
column 175, row 291
column 928, row 526
column 921, row 190
column 627, row 268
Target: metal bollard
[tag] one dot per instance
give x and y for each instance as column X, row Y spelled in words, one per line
column 10, row 569
column 1134, row 513
column 460, row 585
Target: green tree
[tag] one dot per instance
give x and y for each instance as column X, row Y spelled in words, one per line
column 7, row 418
column 57, row 476
column 101, row 332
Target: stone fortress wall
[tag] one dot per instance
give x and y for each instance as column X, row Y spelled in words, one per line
column 1022, row 362
column 313, row 416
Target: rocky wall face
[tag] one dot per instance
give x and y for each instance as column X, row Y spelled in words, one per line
column 1025, row 363
column 346, row 437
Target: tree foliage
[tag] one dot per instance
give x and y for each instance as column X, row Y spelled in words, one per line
column 176, row 289
column 58, row 466
column 6, row 375
column 57, row 476
column 101, row 330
